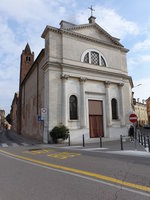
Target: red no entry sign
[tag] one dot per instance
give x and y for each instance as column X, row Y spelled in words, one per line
column 133, row 118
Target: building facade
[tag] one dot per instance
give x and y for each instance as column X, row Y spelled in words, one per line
column 81, row 79
column 2, row 118
column 141, row 112
column 148, row 109
column 14, row 113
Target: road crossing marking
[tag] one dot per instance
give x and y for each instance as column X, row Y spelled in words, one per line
column 126, row 185
column 13, row 144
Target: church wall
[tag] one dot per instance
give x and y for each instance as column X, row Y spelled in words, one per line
column 73, row 49
column 31, row 104
column 53, row 47
column 101, row 83
column 53, row 96
column 123, row 62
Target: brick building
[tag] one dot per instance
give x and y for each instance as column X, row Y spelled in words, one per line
column 2, row 118
column 13, row 112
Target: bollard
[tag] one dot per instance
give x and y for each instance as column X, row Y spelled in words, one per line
column 121, row 142
column 69, row 140
column 148, row 142
column 144, row 141
column 100, row 141
column 83, row 141
column 141, row 139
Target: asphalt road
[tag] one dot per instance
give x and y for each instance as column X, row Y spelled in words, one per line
column 42, row 172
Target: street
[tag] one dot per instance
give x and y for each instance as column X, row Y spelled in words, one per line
column 38, row 171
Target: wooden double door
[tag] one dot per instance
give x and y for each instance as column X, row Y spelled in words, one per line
column 96, row 118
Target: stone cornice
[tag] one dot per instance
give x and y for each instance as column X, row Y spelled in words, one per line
column 60, row 65
column 96, row 71
column 61, row 31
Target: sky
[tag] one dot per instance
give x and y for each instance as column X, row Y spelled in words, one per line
column 23, row 22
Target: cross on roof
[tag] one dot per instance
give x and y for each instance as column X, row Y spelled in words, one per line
column 91, row 8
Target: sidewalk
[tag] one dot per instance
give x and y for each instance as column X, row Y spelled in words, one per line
column 21, row 139
column 108, row 144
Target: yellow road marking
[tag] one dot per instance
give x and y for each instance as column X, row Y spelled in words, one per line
column 86, row 173
column 63, row 155
column 52, row 153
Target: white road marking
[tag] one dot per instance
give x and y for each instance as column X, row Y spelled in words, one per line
column 4, row 145
column 25, row 144
column 93, row 149
column 70, row 147
column 131, row 153
column 15, row 144
column 81, row 176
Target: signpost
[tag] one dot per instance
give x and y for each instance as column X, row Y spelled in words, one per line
column 133, row 119
column 44, row 118
column 43, row 113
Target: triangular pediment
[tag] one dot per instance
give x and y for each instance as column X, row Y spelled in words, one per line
column 96, row 32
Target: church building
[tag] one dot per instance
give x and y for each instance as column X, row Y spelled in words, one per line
column 80, row 79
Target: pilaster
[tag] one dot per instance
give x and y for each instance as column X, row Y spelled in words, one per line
column 122, row 114
column 108, row 104
column 82, row 102
column 64, row 78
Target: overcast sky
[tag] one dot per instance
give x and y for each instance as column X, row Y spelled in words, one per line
column 23, row 21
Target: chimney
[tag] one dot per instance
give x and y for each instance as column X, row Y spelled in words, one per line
column 138, row 100
column 143, row 101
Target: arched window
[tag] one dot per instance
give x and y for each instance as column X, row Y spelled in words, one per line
column 94, row 57
column 73, row 103
column 114, row 109
column 28, row 58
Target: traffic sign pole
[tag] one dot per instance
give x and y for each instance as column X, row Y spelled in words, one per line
column 133, row 119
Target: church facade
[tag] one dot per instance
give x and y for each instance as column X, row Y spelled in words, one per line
column 81, row 79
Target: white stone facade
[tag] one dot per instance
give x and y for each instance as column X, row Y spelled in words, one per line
column 67, row 74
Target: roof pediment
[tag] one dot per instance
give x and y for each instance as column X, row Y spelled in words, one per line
column 95, row 31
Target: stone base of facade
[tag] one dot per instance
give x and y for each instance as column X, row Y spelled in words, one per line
column 76, row 136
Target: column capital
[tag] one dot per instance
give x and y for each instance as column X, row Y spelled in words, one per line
column 64, row 76
column 120, row 84
column 82, row 79
column 107, row 84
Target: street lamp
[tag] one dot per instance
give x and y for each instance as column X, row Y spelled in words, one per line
column 137, row 85
column 133, row 99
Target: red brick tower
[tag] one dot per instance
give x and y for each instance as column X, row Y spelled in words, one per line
column 27, row 59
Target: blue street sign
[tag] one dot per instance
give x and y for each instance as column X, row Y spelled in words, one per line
column 39, row 118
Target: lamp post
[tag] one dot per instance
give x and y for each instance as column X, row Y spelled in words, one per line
column 134, row 100
column 134, row 103
column 137, row 85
